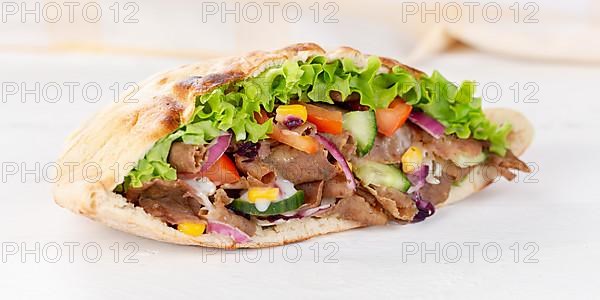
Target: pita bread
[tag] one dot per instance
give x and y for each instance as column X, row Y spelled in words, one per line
column 99, row 155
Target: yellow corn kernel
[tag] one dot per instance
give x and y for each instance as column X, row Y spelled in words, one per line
column 262, row 193
column 193, row 229
column 411, row 159
column 296, row 110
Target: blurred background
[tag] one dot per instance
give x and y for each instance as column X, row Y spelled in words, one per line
column 62, row 61
column 544, row 29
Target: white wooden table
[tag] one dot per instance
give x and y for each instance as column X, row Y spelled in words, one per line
column 552, row 219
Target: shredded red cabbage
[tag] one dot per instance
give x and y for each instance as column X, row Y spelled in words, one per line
column 292, row 122
column 248, row 149
column 426, row 209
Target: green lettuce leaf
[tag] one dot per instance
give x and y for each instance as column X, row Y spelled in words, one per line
column 460, row 111
column 154, row 164
column 232, row 107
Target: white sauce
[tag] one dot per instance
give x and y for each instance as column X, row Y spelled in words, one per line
column 286, row 190
column 203, row 188
column 434, row 169
column 262, row 204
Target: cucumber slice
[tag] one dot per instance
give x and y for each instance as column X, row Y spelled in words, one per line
column 464, row 161
column 363, row 127
column 370, row 172
column 275, row 208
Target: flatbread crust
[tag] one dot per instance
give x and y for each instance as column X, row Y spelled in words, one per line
column 99, row 155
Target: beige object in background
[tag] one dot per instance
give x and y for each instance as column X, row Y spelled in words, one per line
column 414, row 30
column 525, row 30
column 121, row 134
column 532, row 32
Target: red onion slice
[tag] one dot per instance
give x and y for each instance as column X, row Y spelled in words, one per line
column 427, row 123
column 221, row 228
column 216, row 150
column 312, row 211
column 264, row 223
column 417, row 178
column 340, row 159
column 297, row 214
